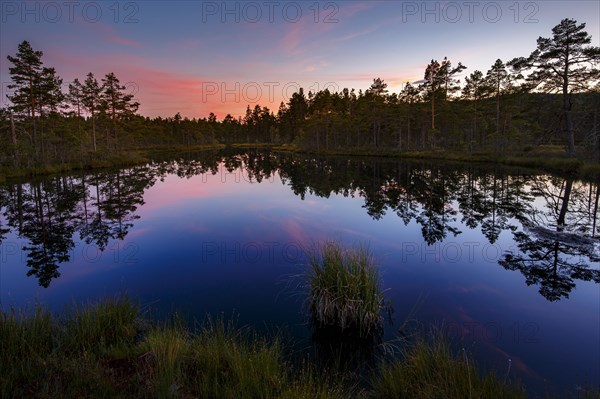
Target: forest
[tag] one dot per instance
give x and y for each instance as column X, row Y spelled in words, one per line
column 549, row 98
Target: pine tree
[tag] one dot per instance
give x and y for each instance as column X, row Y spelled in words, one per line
column 378, row 91
column 119, row 104
column 431, row 85
column 409, row 95
column 50, row 96
column 498, row 78
column 447, row 77
column 474, row 90
column 26, row 74
column 92, row 101
column 562, row 63
column 75, row 97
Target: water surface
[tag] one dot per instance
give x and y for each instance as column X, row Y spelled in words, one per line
column 505, row 261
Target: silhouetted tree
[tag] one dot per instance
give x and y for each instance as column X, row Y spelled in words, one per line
column 92, row 101
column 562, row 63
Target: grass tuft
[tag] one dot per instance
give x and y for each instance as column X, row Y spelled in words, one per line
column 344, row 288
column 228, row 362
column 168, row 346
column 97, row 327
column 432, row 370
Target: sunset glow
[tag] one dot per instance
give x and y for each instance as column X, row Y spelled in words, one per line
column 201, row 57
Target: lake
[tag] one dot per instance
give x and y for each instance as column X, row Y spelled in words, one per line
column 505, row 261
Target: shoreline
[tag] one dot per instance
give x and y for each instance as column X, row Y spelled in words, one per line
column 540, row 159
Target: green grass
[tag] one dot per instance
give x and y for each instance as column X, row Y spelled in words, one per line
column 345, row 288
column 44, row 355
column 431, row 370
column 590, row 171
column 228, row 362
column 107, row 350
column 93, row 163
column 252, row 145
column 168, row 346
column 545, row 157
column 96, row 327
column 225, row 362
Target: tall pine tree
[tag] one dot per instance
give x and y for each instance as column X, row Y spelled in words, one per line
column 564, row 63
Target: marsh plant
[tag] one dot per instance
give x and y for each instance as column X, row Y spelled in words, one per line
column 106, row 350
column 344, row 289
column 90, row 351
column 432, row 369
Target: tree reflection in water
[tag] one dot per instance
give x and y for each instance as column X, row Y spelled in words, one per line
column 553, row 220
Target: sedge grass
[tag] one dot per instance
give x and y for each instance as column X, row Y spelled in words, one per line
column 26, row 340
column 344, row 288
column 218, row 361
column 228, row 362
column 430, row 369
column 168, row 345
column 99, row 326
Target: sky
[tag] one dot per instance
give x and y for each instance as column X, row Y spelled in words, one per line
column 197, row 57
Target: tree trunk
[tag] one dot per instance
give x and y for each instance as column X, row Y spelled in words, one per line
column 595, row 211
column 94, row 131
column 596, row 138
column 33, row 115
column 408, row 128
column 20, row 206
column 13, row 134
column 432, row 111
column 570, row 135
column 13, row 137
column 560, row 224
column 498, row 108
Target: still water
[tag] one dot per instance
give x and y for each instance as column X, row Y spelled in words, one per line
column 506, row 262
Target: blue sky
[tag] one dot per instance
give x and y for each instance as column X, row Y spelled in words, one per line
column 197, row 57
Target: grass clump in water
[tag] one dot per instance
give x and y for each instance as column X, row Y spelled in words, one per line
column 344, row 288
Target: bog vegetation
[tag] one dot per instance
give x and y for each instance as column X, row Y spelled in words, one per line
column 344, row 288
column 107, row 349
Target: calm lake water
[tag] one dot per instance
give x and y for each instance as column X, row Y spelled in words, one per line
column 506, row 262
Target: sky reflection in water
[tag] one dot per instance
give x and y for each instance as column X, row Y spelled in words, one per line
column 492, row 256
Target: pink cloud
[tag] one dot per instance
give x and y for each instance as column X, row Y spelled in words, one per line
column 291, row 39
column 303, row 34
column 157, row 90
column 293, row 227
column 354, row 8
column 108, row 33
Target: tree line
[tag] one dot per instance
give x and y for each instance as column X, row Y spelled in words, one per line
column 550, row 97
